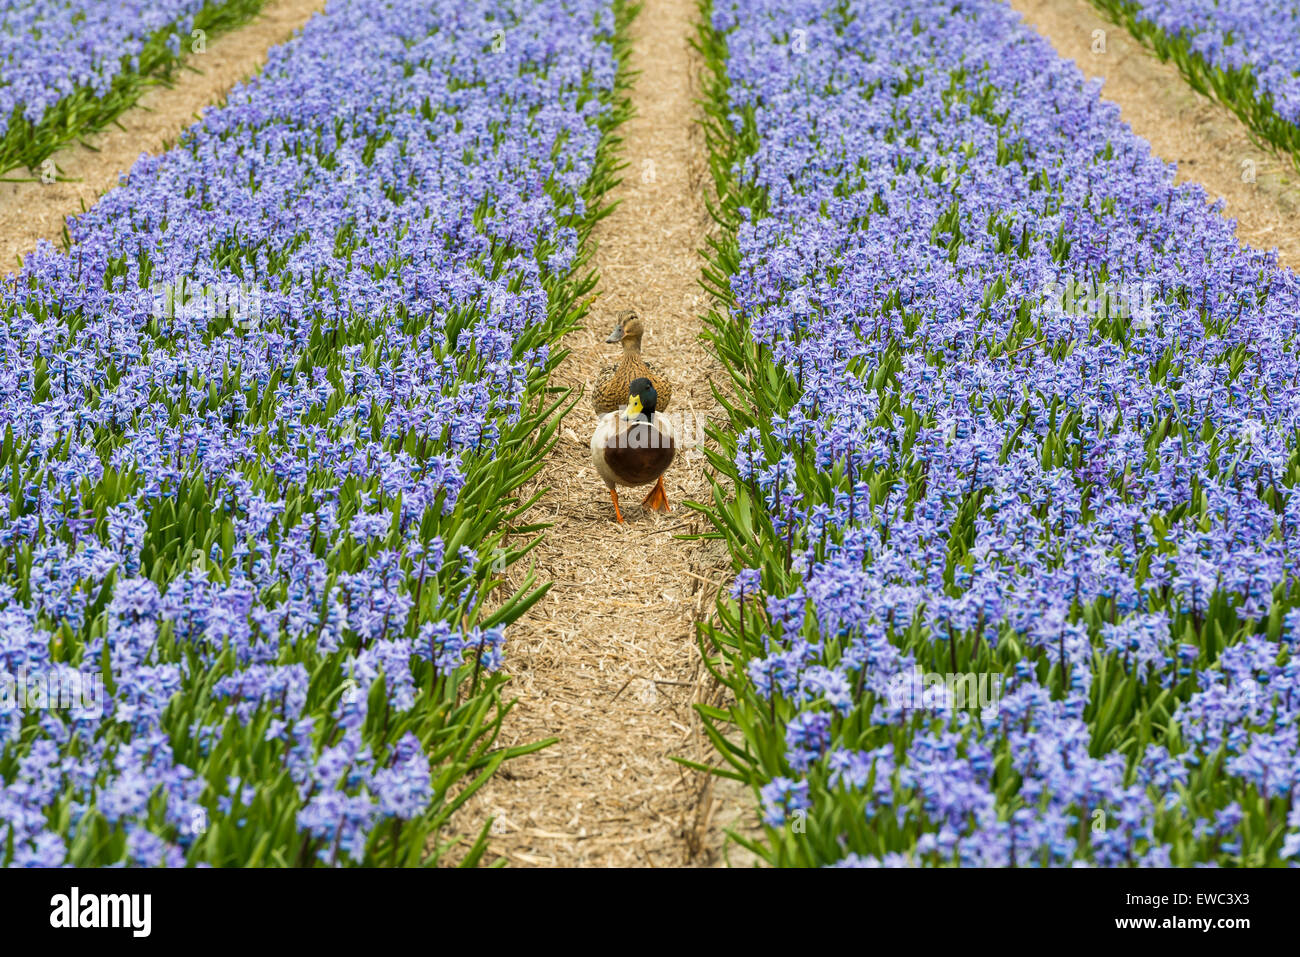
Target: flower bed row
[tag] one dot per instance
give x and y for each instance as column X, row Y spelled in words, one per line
column 1012, row 461
column 1245, row 53
column 263, row 429
column 70, row 67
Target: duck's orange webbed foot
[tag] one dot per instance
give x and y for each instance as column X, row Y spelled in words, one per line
column 613, row 494
column 657, row 500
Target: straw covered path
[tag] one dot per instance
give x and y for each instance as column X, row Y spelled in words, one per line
column 607, row 661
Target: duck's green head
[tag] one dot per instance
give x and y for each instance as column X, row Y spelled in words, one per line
column 642, row 399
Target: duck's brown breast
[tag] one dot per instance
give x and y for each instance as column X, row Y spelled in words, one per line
column 639, row 453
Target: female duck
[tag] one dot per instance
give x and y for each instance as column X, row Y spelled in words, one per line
column 613, row 382
column 633, row 446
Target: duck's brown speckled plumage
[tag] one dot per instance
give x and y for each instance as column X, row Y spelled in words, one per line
column 613, row 381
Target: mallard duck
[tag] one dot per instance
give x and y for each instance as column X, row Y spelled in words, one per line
column 613, row 382
column 633, row 446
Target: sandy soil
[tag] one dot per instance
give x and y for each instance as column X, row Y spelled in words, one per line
column 607, row 661
column 33, row 211
column 1206, row 140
